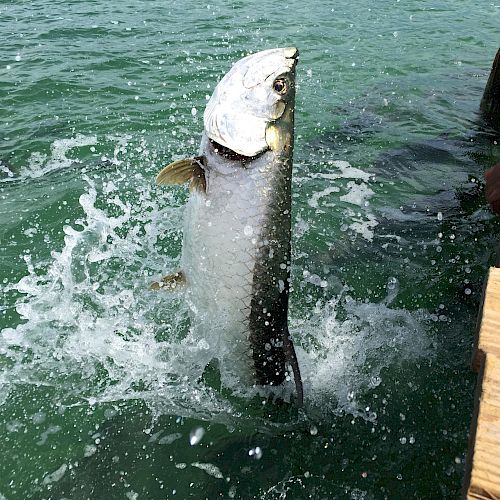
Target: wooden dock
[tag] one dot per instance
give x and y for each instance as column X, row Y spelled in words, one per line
column 482, row 477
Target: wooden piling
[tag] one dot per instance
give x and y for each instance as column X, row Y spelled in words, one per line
column 490, row 103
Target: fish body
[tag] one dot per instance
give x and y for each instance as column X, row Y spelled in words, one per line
column 237, row 227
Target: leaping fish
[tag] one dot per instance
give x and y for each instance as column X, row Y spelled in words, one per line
column 237, row 228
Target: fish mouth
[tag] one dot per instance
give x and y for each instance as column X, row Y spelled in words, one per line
column 231, row 155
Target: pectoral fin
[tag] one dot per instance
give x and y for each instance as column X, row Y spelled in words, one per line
column 181, row 171
column 169, row 282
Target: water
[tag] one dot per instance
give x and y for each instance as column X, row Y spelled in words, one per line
column 98, row 392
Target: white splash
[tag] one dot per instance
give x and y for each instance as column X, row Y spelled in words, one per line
column 343, row 359
column 55, row 476
column 358, row 192
column 210, row 469
column 95, row 331
column 40, row 164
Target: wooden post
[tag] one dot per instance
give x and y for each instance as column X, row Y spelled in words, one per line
column 490, row 103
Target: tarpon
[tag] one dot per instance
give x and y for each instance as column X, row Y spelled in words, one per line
column 236, row 244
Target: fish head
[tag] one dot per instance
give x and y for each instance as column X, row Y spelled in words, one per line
column 251, row 109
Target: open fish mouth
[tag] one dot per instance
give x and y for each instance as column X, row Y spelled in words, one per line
column 231, row 155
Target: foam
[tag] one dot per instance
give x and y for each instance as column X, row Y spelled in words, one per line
column 39, row 164
column 342, row 359
column 363, row 221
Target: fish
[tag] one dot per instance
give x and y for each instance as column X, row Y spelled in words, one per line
column 236, row 250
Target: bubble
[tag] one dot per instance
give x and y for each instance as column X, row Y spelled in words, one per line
column 391, row 283
column 38, row 418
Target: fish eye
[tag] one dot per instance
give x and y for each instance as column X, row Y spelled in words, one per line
column 280, row 86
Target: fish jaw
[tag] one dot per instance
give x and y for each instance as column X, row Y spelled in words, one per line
column 245, row 101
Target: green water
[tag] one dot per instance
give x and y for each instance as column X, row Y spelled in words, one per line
column 96, row 398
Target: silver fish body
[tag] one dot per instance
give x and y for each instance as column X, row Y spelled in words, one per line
column 237, row 229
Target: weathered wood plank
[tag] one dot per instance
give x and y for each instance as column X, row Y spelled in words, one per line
column 482, row 478
column 488, row 328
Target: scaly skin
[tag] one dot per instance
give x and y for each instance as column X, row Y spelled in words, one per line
column 236, row 255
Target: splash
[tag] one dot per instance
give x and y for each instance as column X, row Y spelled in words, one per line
column 40, row 164
column 357, row 193
column 342, row 359
column 68, row 152
column 91, row 328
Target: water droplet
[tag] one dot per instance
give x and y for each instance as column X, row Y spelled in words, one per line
column 196, row 436
column 255, row 453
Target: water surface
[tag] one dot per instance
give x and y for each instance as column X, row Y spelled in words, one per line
column 392, row 239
